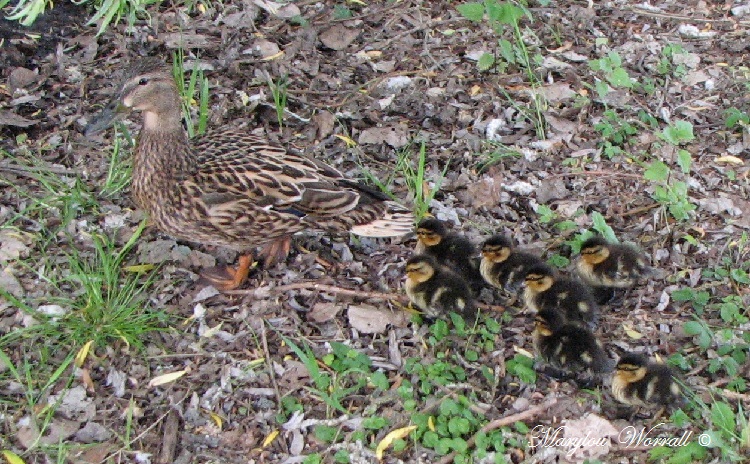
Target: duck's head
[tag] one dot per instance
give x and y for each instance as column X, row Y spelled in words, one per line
column 595, row 250
column 420, row 268
column 431, row 231
column 539, row 278
column 497, row 248
column 148, row 86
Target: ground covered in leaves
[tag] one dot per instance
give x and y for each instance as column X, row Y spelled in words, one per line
column 586, row 116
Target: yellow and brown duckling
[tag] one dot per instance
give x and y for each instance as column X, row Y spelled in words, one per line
column 568, row 347
column 606, row 266
column 640, row 382
column 435, row 289
column 504, row 267
column 571, row 298
column 449, row 249
column 233, row 189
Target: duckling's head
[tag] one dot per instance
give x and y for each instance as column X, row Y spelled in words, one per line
column 539, row 278
column 595, row 250
column 431, row 231
column 149, row 87
column 420, row 268
column 631, row 368
column 497, row 248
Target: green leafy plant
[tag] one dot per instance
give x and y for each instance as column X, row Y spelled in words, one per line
column 505, row 19
column 734, row 118
column 522, row 367
column 673, row 194
column 350, row 371
column 616, row 133
column 612, row 72
column 668, row 64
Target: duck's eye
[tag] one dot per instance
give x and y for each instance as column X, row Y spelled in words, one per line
column 143, row 81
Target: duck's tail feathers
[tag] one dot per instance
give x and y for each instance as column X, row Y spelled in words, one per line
column 396, row 221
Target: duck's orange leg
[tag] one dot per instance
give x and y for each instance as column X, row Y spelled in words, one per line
column 229, row 278
column 276, row 251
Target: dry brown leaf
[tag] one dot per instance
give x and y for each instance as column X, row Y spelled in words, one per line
column 395, row 136
column 338, row 37
column 370, row 319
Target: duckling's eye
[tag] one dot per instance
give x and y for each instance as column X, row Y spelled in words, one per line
column 143, row 81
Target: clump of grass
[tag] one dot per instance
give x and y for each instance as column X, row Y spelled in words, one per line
column 106, row 12
column 99, row 300
column 188, row 87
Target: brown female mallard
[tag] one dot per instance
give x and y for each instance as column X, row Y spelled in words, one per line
column 233, row 189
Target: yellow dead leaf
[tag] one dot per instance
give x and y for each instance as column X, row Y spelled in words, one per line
column 523, row 351
column 211, row 331
column 390, row 438
column 270, row 438
column 12, row 457
column 166, row 378
column 729, row 159
column 431, row 423
column 475, row 90
column 83, row 353
column 216, row 418
column 139, row 268
column 634, row 334
column 374, row 54
column 274, row 56
column 347, row 140
column 358, row 2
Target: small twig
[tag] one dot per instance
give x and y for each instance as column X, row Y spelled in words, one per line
column 350, row 292
column 640, row 210
column 426, row 25
column 474, row 408
column 731, row 395
column 502, row 422
column 598, row 173
column 148, row 429
column 678, row 17
column 19, row 169
column 340, row 291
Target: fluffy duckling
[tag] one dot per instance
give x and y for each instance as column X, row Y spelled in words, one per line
column 639, row 382
column 435, row 289
column 569, row 297
column 568, row 347
column 502, row 266
column 606, row 265
column 451, row 250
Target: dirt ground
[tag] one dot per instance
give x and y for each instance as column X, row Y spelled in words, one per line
column 389, row 77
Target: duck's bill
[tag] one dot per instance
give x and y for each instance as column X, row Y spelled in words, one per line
column 105, row 118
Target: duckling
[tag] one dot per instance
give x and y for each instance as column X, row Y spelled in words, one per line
column 502, row 266
column 435, row 289
column 639, row 382
column 451, row 250
column 606, row 266
column 568, row 347
column 570, row 297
